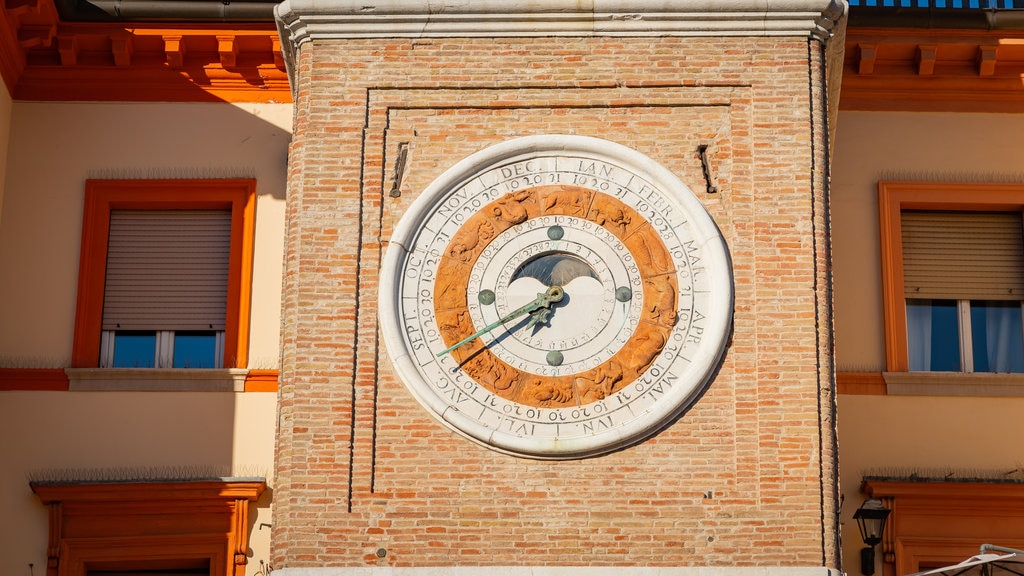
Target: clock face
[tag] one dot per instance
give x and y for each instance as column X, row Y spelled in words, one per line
column 556, row 297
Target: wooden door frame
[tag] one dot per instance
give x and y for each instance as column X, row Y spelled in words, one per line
column 148, row 524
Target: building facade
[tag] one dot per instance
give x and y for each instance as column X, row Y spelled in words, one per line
column 184, row 454
column 317, row 182
column 927, row 127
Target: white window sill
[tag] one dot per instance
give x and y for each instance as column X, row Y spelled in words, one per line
column 953, row 384
column 157, row 379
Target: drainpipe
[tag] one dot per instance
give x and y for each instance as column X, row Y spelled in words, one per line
column 156, row 10
column 1009, row 19
column 951, row 18
column 985, row 548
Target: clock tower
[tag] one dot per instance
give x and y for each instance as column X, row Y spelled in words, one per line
column 557, row 289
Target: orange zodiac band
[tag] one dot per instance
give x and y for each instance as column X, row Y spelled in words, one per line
column 660, row 295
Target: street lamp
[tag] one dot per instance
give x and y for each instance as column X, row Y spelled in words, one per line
column 870, row 519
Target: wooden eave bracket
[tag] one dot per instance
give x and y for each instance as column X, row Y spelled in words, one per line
column 122, row 48
column 866, row 57
column 35, row 21
column 986, row 60
column 227, row 47
column 32, row 35
column 926, row 59
column 174, row 51
column 42, row 58
column 67, row 47
column 275, row 42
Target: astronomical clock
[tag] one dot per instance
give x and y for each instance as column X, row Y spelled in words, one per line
column 556, row 297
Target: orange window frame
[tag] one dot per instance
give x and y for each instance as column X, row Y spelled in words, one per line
column 893, row 198
column 102, row 196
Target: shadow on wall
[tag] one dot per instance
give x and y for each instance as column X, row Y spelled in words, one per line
column 105, row 436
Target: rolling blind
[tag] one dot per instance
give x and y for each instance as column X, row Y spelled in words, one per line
column 167, row 270
column 963, row 255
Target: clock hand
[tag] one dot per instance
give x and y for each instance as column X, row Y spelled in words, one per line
column 543, row 314
column 542, row 301
column 538, row 316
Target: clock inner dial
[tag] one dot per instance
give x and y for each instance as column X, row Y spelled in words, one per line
column 616, row 287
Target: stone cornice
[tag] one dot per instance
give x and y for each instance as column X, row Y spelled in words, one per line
column 300, row 21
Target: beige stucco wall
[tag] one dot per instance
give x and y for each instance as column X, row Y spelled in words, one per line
column 47, row 434
column 873, row 146
column 55, row 148
column 59, row 146
column 901, row 434
column 5, row 129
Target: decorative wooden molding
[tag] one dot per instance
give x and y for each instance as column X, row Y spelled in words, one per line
column 145, row 525
column 33, row 379
column 942, row 70
column 262, row 381
column 42, row 58
column 14, row 15
column 860, row 383
column 55, row 516
column 945, row 522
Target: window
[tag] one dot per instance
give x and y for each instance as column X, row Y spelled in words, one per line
column 963, row 276
column 164, row 274
column 165, row 288
column 953, row 276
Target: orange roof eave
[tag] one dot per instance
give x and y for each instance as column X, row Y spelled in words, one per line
column 942, row 70
column 42, row 58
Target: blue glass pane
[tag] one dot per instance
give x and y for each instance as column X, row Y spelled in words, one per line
column 933, row 335
column 996, row 340
column 949, row 4
column 134, row 349
column 195, row 350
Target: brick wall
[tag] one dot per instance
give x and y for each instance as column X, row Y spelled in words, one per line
column 746, row 477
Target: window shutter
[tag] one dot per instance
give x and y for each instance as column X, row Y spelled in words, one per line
column 963, row 255
column 167, row 270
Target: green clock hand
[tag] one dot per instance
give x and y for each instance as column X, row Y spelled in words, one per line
column 539, row 316
column 545, row 300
